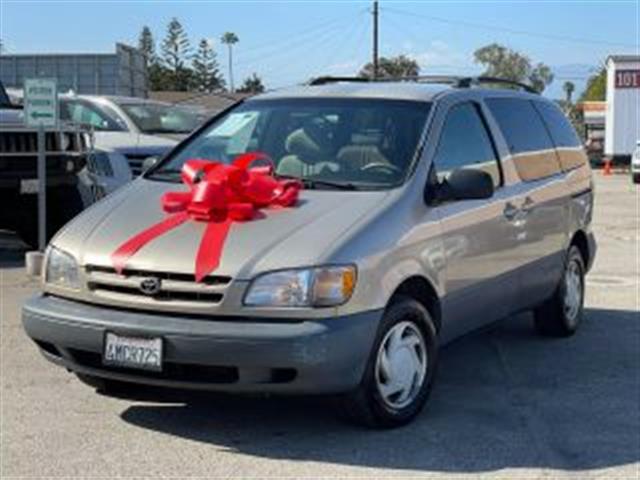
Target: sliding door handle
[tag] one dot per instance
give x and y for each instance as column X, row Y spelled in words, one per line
column 510, row 211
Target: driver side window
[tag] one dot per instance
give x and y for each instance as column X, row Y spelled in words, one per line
column 465, row 143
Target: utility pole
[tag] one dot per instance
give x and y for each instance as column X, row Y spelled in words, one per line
column 375, row 39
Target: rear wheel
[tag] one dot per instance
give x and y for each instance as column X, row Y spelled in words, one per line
column 400, row 371
column 560, row 316
column 635, row 178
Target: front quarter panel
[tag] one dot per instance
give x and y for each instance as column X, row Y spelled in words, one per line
column 400, row 240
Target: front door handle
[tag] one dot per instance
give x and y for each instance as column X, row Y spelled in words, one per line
column 528, row 205
column 510, row 211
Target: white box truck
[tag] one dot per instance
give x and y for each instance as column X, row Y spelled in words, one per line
column 622, row 122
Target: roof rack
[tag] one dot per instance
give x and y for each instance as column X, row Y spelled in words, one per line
column 455, row 81
column 329, row 79
column 467, row 82
column 419, row 79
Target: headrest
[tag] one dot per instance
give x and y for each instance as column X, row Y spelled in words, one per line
column 309, row 144
column 360, row 155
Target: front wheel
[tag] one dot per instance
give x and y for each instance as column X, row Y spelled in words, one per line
column 635, row 178
column 560, row 316
column 400, row 371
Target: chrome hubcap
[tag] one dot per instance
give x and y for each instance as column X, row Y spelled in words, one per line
column 572, row 291
column 401, row 365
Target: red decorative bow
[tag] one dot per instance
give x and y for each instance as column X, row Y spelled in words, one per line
column 219, row 194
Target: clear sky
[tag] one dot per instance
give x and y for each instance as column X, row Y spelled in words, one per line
column 288, row 42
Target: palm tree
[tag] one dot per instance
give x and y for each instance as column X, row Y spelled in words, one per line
column 568, row 88
column 229, row 39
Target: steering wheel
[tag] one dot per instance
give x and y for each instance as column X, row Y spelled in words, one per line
column 387, row 167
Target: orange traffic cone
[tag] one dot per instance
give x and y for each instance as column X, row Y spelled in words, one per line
column 607, row 167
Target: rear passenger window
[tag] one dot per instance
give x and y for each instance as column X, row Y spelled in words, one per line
column 529, row 143
column 567, row 142
column 465, row 143
column 561, row 131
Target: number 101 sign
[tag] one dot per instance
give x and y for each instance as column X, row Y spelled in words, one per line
column 628, row 79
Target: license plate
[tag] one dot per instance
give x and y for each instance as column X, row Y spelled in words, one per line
column 29, row 185
column 132, row 352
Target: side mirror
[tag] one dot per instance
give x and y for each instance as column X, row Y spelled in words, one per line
column 466, row 184
column 149, row 162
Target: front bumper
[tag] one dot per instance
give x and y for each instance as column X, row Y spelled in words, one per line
column 238, row 354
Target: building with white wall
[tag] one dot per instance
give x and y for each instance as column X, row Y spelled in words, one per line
column 622, row 115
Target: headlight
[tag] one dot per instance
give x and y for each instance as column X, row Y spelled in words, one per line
column 61, row 269
column 100, row 162
column 311, row 287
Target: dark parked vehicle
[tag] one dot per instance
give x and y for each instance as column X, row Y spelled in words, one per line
column 66, row 155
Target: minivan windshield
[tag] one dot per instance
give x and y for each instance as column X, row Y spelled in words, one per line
column 328, row 142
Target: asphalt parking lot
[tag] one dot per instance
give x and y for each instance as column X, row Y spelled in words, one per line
column 508, row 404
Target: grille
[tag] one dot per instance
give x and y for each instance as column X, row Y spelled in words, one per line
column 174, row 287
column 135, row 162
column 15, row 142
column 65, row 153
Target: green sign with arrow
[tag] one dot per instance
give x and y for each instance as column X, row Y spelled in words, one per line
column 41, row 102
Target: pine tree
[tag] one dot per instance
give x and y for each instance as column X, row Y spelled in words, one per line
column 206, row 73
column 252, row 84
column 158, row 75
column 147, row 45
column 176, row 51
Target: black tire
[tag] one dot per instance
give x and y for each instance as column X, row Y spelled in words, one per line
column 553, row 318
column 635, row 178
column 366, row 406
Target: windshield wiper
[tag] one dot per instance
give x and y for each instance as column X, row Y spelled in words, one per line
column 166, row 173
column 309, row 183
column 313, row 183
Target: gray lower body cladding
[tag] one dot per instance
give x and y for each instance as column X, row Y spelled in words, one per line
column 232, row 355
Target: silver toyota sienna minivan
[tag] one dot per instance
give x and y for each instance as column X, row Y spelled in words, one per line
column 326, row 239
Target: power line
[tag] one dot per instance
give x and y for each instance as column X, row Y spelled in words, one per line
column 320, row 43
column 286, row 40
column 360, row 45
column 347, row 40
column 292, row 45
column 481, row 26
column 309, row 49
column 574, row 74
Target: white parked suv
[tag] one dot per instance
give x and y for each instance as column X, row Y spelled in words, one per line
column 126, row 131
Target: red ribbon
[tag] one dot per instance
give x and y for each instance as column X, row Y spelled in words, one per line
column 219, row 194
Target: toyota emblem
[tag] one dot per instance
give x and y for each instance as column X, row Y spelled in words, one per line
column 150, row 286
